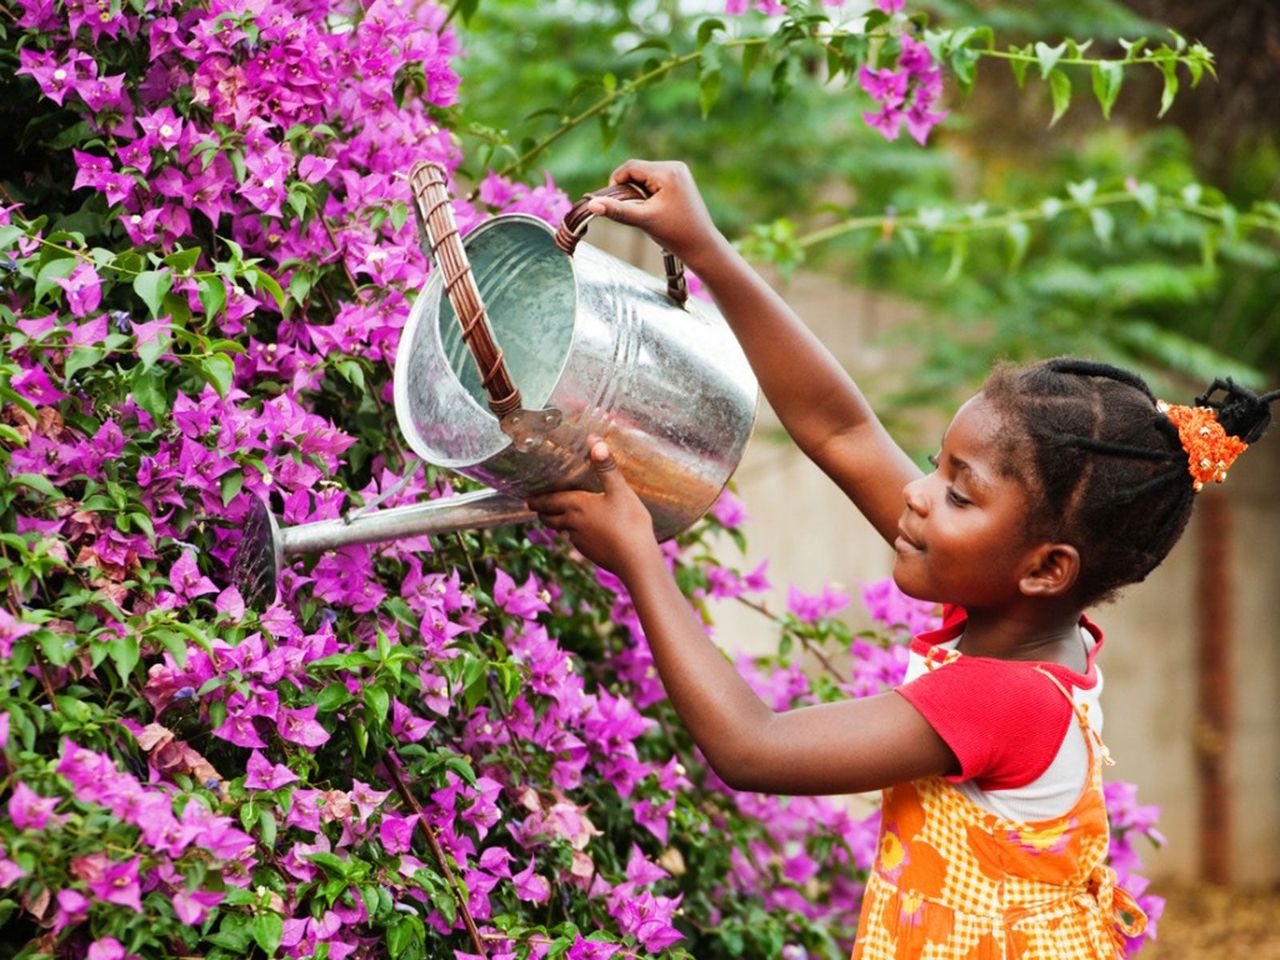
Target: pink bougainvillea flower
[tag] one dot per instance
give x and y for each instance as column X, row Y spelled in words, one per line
column 108, row 948
column 262, row 775
column 366, row 799
column 29, row 810
column 396, row 832
column 300, row 726
column 110, row 881
column 813, row 607
column 73, row 907
column 887, row 86
column 12, row 629
column 83, row 289
column 192, row 906
column 526, row 601
column 10, row 872
column 893, row 609
column 406, row 725
column 4, row 725
column 530, row 886
column 187, row 580
column 890, row 6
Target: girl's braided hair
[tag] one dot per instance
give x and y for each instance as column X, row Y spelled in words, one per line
column 1106, row 470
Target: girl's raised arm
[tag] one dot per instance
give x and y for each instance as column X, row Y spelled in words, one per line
column 817, row 401
column 845, row 747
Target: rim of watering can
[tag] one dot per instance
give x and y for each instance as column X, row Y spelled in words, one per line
column 400, row 382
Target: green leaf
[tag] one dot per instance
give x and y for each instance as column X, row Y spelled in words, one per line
column 151, row 286
column 1104, row 225
column 82, row 358
column 1107, row 77
column 332, row 697
column 379, row 702
column 707, row 29
column 268, row 928
column 36, row 482
column 260, row 278
column 124, row 654
column 1048, row 57
column 148, row 388
column 53, row 271
column 708, row 78
column 1019, row 235
column 1060, row 86
column 219, row 371
column 183, row 260
column 1169, row 68
column 213, row 294
column 231, row 484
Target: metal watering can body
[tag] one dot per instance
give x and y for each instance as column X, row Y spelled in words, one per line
column 589, row 346
column 597, row 347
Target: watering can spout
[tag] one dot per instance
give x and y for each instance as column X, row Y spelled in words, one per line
column 265, row 544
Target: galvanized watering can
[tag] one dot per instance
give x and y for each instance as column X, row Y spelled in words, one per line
column 524, row 343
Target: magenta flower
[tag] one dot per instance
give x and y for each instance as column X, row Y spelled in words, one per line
column 188, row 583
column 83, row 289
column 895, row 610
column 887, row 121
column 192, row 906
column 366, row 799
column 108, row 948
column 526, row 601
column 890, row 6
column 29, row 810
column 811, row 608
column 262, row 775
column 10, row 630
column 110, row 881
column 530, row 886
column 396, row 832
column 4, row 724
column 889, row 87
column 73, row 907
column 300, row 726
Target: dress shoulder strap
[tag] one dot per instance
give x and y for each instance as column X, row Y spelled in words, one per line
column 1081, row 710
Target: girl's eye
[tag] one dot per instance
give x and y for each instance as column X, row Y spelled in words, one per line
column 956, row 499
column 933, row 460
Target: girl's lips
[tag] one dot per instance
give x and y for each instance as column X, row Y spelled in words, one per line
column 905, row 543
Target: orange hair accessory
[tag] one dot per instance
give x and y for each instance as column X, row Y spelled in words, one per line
column 1210, row 449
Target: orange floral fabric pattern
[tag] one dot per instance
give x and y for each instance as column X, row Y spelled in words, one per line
column 952, row 880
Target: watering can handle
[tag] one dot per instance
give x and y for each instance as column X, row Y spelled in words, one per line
column 574, row 226
column 435, row 217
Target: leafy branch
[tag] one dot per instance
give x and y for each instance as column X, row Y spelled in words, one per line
column 846, row 50
column 778, row 242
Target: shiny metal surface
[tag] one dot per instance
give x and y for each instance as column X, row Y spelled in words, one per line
column 265, row 545
column 597, row 340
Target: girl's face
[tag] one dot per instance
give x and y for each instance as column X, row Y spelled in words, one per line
column 963, row 534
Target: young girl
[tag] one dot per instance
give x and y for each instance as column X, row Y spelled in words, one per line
column 1055, row 485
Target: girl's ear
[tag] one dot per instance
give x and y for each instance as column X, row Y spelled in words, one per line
column 1054, row 568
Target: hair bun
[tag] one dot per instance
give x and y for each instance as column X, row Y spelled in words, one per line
column 1241, row 412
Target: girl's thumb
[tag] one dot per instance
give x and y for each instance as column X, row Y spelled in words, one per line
column 605, row 466
column 616, row 210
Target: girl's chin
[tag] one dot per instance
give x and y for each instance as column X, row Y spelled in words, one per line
column 914, row 586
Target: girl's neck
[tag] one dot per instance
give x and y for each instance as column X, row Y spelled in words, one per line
column 1037, row 634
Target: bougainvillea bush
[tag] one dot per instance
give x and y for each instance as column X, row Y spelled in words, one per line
column 428, row 748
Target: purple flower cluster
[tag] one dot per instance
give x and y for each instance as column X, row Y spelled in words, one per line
column 907, row 93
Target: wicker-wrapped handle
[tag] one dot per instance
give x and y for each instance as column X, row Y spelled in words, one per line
column 574, row 226
column 435, row 220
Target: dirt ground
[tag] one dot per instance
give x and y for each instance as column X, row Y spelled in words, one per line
column 1217, row 923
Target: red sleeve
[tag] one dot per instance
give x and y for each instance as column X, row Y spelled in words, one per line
column 1004, row 721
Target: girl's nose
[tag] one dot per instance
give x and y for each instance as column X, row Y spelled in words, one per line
column 914, row 495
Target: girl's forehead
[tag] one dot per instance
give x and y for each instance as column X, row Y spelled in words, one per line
column 977, row 424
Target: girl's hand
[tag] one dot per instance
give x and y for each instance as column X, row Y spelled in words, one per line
column 674, row 215
column 612, row 529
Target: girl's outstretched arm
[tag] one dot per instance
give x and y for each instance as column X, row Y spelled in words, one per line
column 846, row 747
column 817, row 401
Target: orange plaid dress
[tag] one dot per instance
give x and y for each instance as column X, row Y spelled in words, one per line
column 952, row 881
